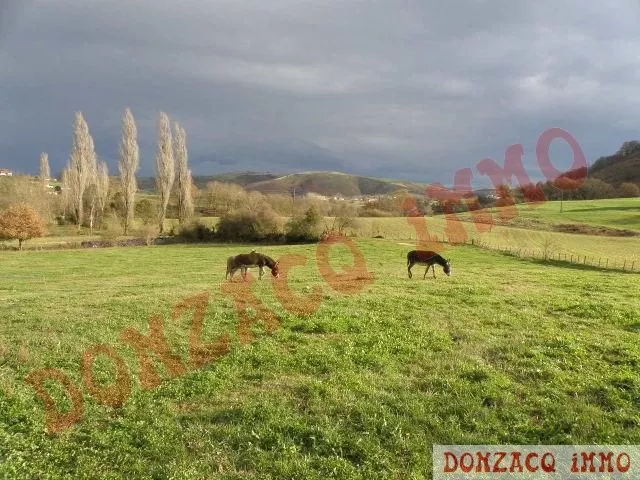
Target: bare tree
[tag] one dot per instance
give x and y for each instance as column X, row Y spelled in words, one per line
column 45, row 171
column 65, row 192
column 548, row 246
column 129, row 163
column 165, row 166
column 102, row 187
column 91, row 193
column 80, row 166
column 183, row 175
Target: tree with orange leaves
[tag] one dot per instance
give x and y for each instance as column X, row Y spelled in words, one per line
column 21, row 222
column 565, row 182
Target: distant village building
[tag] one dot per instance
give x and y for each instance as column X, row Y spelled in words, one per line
column 5, row 173
column 314, row 195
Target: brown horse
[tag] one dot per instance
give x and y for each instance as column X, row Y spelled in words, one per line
column 244, row 261
column 429, row 259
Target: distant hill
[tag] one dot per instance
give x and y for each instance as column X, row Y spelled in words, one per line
column 148, row 184
column 623, row 166
column 332, row 184
column 321, row 183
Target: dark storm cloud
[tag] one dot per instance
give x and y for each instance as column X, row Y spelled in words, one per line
column 408, row 88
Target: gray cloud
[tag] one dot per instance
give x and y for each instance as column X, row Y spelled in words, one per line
column 406, row 88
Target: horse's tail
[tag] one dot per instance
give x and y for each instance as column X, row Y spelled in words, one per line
column 229, row 266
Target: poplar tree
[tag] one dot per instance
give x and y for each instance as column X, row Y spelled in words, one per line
column 128, row 165
column 102, row 188
column 45, row 171
column 80, row 166
column 183, row 175
column 165, row 166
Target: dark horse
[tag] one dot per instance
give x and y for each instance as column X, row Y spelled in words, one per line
column 429, row 259
column 244, row 261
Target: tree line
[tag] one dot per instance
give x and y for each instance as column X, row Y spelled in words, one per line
column 86, row 183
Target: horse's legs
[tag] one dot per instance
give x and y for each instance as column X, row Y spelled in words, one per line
column 425, row 272
column 433, row 267
column 409, row 269
column 261, row 273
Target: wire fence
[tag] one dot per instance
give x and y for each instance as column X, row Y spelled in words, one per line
column 548, row 254
column 623, row 264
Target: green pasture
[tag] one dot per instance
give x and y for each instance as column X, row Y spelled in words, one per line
column 621, row 213
column 505, row 351
column 615, row 213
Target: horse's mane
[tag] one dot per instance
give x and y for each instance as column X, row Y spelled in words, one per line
column 270, row 261
column 440, row 258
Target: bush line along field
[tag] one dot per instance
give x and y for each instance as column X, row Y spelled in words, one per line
column 530, row 230
column 505, row 351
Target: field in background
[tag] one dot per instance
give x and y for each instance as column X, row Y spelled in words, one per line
column 617, row 213
column 506, row 351
column 621, row 213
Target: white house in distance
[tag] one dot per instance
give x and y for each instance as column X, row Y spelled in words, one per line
column 5, row 172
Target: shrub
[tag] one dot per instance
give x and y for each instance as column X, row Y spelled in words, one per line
column 344, row 218
column 148, row 232
column 116, row 204
column 244, row 225
column 147, row 211
column 111, row 226
column 196, row 231
column 304, row 228
column 629, row 190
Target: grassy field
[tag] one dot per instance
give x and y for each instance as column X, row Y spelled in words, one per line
column 612, row 250
column 616, row 213
column 503, row 351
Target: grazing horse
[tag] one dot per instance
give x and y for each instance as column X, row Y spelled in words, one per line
column 429, row 259
column 244, row 261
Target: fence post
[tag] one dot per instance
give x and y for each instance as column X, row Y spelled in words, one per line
column 625, row 264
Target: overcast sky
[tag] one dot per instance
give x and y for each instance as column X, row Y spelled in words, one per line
column 412, row 89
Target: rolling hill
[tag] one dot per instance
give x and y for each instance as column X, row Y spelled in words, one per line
column 321, row 183
column 333, row 183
